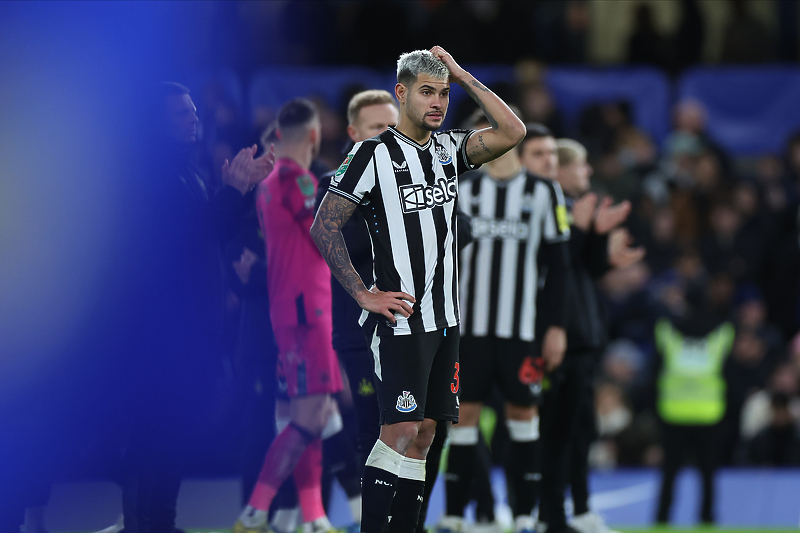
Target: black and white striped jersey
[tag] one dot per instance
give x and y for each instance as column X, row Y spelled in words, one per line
column 499, row 271
column 408, row 194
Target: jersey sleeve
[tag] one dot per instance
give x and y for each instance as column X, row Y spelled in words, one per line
column 298, row 192
column 459, row 138
column 355, row 177
column 556, row 221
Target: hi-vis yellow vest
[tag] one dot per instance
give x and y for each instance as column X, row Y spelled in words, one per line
column 691, row 389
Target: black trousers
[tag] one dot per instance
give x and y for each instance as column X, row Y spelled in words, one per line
column 681, row 442
column 567, row 429
column 154, row 466
column 360, row 368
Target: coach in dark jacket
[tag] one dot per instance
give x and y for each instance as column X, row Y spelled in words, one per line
column 172, row 357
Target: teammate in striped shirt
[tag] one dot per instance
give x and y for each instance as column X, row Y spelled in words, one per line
column 518, row 220
column 404, row 181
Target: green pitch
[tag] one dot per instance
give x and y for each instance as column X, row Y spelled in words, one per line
column 703, row 529
column 654, row 529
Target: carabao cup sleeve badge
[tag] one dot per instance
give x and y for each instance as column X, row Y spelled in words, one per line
column 343, row 167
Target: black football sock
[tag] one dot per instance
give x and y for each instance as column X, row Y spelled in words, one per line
column 520, row 464
column 460, row 467
column 378, row 485
column 404, row 513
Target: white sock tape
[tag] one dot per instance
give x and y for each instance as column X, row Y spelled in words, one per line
column 281, row 423
column 413, row 469
column 523, row 430
column 333, row 426
column 463, row 435
column 385, row 458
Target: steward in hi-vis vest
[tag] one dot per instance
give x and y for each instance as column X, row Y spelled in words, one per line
column 691, row 389
column 691, row 394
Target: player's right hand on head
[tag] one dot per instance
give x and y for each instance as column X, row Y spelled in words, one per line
column 387, row 303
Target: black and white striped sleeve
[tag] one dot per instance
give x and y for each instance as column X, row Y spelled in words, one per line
column 459, row 138
column 356, row 176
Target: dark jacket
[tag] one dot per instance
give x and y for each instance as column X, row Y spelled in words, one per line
column 586, row 322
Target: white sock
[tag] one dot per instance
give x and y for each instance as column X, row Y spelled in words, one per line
column 319, row 525
column 252, row 517
column 355, row 508
column 286, row 520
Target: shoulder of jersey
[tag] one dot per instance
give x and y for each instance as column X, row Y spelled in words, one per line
column 369, row 144
column 285, row 172
column 537, row 177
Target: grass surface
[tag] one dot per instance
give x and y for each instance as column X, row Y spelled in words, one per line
column 653, row 529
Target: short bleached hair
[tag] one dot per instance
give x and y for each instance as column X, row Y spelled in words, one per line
column 412, row 64
column 569, row 151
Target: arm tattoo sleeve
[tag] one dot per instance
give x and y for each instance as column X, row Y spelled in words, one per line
column 477, row 151
column 327, row 234
column 469, row 88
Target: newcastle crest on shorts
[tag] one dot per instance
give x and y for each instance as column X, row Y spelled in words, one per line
column 406, row 402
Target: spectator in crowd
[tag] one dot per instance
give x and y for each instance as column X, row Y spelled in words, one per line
column 778, row 444
column 646, row 45
column 746, row 39
column 757, row 411
column 624, row 438
column 688, row 40
column 729, row 247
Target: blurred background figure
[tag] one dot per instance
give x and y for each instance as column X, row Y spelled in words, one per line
column 692, row 394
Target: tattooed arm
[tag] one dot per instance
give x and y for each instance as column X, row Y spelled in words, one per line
column 506, row 131
column 326, row 231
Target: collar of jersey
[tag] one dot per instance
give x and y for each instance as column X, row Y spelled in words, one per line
column 411, row 141
column 506, row 183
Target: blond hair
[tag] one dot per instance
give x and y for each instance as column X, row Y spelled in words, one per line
column 569, row 151
column 366, row 99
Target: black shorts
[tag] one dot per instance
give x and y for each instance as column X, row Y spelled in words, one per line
column 511, row 363
column 416, row 375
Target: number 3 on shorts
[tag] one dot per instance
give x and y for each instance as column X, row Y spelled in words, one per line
column 454, row 386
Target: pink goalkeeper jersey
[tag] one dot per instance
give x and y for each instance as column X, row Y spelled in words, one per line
column 298, row 279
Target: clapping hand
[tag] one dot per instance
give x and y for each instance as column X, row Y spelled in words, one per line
column 245, row 172
column 620, row 252
column 610, row 216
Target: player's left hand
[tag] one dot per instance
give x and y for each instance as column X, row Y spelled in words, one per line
column 456, row 72
column 620, row 252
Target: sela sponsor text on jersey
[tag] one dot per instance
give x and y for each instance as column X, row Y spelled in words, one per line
column 416, row 196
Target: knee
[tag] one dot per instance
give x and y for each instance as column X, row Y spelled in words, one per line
column 401, row 435
column 313, row 414
column 424, row 439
